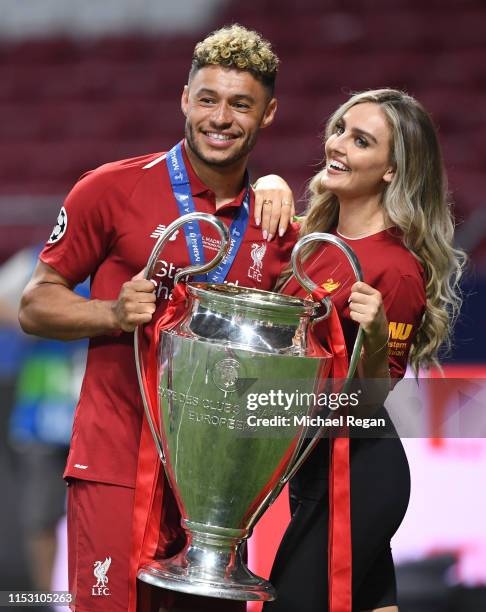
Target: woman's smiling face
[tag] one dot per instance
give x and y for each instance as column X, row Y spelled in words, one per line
column 358, row 153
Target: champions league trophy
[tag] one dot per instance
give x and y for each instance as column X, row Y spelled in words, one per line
column 231, row 345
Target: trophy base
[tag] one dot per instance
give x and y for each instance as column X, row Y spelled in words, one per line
column 196, row 573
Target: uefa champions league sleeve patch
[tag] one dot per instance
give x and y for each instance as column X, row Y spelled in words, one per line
column 60, row 228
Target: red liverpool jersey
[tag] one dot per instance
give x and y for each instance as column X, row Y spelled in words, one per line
column 389, row 267
column 107, row 229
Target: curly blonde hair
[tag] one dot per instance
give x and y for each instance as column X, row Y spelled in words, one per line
column 239, row 48
column 416, row 202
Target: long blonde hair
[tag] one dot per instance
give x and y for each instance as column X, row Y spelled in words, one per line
column 416, row 202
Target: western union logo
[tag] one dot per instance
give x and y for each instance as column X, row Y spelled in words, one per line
column 399, row 331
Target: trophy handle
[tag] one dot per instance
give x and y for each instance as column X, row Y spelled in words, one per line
column 197, row 269
column 150, row 274
column 309, row 285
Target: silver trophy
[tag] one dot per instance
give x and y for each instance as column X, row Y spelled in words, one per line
column 233, row 345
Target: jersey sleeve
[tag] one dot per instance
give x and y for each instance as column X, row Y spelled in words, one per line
column 84, row 230
column 404, row 307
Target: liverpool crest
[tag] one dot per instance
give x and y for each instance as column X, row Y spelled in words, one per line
column 257, row 254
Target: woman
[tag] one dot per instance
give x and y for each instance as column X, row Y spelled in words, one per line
column 383, row 191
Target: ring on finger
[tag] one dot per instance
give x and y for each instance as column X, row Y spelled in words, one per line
column 286, row 203
column 266, row 202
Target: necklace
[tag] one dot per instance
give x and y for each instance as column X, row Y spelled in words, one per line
column 364, row 234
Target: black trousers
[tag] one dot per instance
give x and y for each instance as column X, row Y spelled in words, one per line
column 380, row 492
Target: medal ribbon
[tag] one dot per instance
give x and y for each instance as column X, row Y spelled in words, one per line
column 156, row 520
column 339, row 545
column 181, row 187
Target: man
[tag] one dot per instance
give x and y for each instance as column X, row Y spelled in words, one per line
column 106, row 230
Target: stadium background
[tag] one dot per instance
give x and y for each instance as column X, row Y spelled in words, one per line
column 86, row 83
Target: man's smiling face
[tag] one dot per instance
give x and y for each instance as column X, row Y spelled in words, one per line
column 225, row 108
